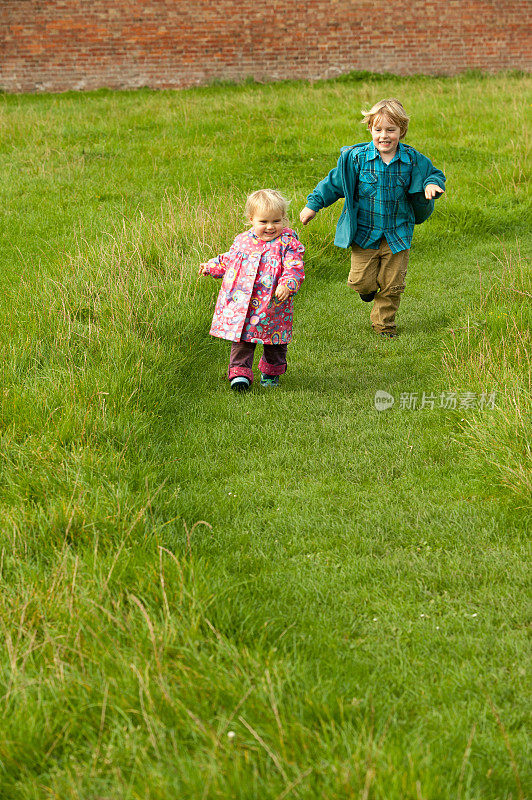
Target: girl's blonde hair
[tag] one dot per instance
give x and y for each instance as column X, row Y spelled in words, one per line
column 392, row 109
column 267, row 200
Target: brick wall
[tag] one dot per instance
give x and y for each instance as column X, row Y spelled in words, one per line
column 54, row 45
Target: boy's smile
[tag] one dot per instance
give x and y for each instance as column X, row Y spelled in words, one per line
column 267, row 226
column 385, row 135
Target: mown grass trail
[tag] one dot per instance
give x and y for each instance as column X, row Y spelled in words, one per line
column 287, row 594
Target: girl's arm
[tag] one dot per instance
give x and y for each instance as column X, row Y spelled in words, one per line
column 217, row 266
column 293, row 267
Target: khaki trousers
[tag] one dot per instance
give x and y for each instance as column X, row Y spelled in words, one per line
column 383, row 272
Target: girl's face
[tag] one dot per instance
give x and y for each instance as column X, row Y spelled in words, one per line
column 267, row 225
column 385, row 135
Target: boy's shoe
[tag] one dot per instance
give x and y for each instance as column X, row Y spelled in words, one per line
column 240, row 384
column 270, row 381
column 367, row 298
column 388, row 334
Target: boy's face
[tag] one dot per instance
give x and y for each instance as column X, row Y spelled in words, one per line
column 385, row 135
column 267, row 225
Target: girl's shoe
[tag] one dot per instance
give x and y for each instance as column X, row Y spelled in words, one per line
column 270, row 381
column 240, row 384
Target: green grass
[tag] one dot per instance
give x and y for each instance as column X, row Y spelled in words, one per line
column 278, row 595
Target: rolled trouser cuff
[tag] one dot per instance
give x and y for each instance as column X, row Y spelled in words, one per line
column 237, row 372
column 271, row 369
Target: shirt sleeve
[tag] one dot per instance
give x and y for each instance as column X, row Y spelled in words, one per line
column 293, row 269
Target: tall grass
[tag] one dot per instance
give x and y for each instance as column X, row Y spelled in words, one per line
column 139, row 680
column 493, row 351
column 83, row 348
column 287, row 594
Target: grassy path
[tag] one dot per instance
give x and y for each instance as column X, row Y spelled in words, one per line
column 287, row 594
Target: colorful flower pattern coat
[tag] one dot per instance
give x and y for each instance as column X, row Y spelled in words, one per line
column 246, row 309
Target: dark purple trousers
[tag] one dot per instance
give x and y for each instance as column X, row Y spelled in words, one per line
column 272, row 361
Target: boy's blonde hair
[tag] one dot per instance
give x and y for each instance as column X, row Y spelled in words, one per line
column 392, row 109
column 267, row 200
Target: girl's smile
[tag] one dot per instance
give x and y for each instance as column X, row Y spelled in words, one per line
column 267, row 226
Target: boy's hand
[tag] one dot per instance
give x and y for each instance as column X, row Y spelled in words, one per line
column 282, row 293
column 431, row 190
column 307, row 214
column 204, row 269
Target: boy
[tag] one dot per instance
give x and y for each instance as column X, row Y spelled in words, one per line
column 388, row 187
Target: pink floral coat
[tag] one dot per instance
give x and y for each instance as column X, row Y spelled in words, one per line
column 246, row 309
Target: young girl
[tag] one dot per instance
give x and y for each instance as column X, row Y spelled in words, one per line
column 261, row 273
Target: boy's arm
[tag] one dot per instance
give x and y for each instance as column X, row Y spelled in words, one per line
column 426, row 173
column 435, row 177
column 328, row 191
column 434, row 184
column 426, row 180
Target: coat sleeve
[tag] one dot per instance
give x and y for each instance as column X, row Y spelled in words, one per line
column 328, row 191
column 433, row 175
column 293, row 265
column 219, row 264
column 423, row 173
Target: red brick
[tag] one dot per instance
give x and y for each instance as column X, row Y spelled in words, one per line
column 61, row 44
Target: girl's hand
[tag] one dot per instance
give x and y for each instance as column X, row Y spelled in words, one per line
column 307, row 214
column 282, row 293
column 204, row 269
column 431, row 190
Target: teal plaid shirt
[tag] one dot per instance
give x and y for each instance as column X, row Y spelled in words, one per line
column 381, row 202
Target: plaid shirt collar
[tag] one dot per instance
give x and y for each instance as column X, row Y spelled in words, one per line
column 373, row 153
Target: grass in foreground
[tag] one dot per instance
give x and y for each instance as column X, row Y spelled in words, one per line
column 282, row 595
